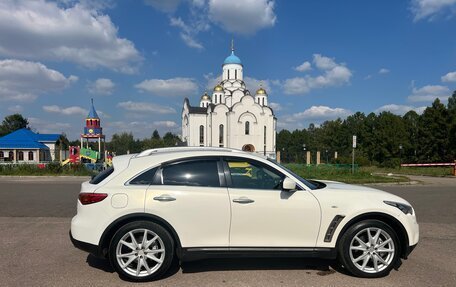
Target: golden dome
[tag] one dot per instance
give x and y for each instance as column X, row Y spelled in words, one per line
column 218, row 88
column 205, row 97
column 261, row 91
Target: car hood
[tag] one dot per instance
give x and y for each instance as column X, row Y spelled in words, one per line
column 349, row 191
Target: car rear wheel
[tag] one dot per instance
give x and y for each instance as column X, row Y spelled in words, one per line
column 141, row 251
column 369, row 249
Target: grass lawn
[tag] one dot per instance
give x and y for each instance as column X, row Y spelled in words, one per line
column 344, row 174
column 430, row 171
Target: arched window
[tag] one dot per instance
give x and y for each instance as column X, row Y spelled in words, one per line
column 10, row 155
column 228, row 74
column 264, row 136
column 215, row 99
column 235, row 74
column 247, row 128
column 30, row 155
column 221, row 135
column 201, row 135
column 20, row 155
column 262, row 101
column 2, row 155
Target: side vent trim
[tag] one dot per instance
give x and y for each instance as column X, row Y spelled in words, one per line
column 332, row 227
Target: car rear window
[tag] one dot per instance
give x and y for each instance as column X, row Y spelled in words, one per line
column 102, row 175
column 144, row 178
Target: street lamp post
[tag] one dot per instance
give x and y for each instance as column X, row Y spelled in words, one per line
column 400, row 155
column 326, row 156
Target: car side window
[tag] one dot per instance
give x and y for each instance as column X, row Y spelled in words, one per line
column 145, row 178
column 192, row 173
column 254, row 175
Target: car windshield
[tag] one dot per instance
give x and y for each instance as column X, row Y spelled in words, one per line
column 304, row 181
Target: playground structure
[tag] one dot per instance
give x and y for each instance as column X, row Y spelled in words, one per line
column 92, row 131
column 84, row 154
column 77, row 153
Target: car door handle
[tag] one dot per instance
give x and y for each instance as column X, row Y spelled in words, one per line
column 164, row 197
column 243, row 200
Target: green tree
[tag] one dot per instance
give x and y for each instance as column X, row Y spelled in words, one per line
column 452, row 125
column 433, row 131
column 13, row 123
column 156, row 135
column 123, row 143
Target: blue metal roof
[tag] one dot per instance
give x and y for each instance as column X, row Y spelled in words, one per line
column 92, row 113
column 232, row 59
column 48, row 137
column 25, row 138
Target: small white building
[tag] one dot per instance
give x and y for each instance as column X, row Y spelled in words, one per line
column 232, row 116
column 25, row 146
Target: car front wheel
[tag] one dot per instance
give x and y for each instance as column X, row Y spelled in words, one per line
column 141, row 251
column 369, row 249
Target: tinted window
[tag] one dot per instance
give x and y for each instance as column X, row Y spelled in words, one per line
column 145, row 178
column 192, row 173
column 254, row 175
column 102, row 175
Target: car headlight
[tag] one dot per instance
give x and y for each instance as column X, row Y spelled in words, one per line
column 406, row 209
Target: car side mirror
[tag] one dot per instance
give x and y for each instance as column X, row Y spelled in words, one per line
column 288, row 184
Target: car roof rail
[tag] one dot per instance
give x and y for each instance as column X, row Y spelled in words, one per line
column 149, row 152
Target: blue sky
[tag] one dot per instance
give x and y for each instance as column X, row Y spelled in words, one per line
column 318, row 60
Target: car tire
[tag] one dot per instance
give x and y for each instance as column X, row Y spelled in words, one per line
column 136, row 259
column 369, row 256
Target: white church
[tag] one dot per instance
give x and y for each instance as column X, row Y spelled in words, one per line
column 231, row 117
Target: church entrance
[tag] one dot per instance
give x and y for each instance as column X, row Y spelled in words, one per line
column 248, row 147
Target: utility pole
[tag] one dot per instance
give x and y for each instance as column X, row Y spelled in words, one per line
column 353, row 154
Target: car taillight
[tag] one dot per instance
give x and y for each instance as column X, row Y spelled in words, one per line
column 89, row 198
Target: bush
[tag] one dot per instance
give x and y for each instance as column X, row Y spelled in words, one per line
column 53, row 168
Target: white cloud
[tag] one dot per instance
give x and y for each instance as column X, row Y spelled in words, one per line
column 253, row 84
column 179, row 87
column 318, row 113
column 275, row 106
column 314, row 114
column 80, row 34
column 430, row 9
column 429, row 93
column 52, row 127
column 197, row 22
column 383, row 71
column 73, row 110
column 167, row 6
column 242, row 17
column 101, row 86
column 306, row 66
column 24, row 80
column 449, row 77
column 324, row 63
column 16, row 109
column 191, row 42
column 165, row 124
column 334, row 74
column 211, row 81
column 145, row 107
column 399, row 109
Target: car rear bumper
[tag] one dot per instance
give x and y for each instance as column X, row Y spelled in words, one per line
column 87, row 247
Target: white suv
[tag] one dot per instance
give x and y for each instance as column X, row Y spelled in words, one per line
column 204, row 202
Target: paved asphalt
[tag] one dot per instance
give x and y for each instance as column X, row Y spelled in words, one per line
column 35, row 250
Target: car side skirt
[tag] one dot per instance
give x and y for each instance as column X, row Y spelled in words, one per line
column 197, row 253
